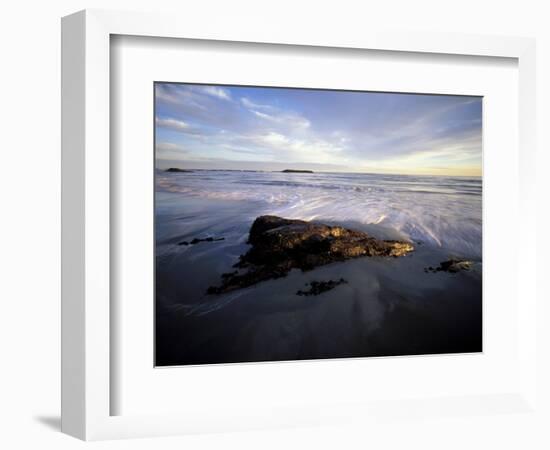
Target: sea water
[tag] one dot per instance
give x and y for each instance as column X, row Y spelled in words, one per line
column 388, row 307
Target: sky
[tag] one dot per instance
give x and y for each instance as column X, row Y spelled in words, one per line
column 256, row 128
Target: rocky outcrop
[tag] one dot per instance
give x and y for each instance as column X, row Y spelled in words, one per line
column 451, row 266
column 280, row 245
column 177, row 170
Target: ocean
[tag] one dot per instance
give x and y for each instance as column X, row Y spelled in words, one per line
column 387, row 307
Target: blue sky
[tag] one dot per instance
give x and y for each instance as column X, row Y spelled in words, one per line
column 222, row 127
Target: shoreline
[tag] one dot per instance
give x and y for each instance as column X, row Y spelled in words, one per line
column 387, row 307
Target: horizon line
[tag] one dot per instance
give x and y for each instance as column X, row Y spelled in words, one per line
column 319, row 171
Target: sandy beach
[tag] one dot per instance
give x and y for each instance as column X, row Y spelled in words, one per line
column 386, row 307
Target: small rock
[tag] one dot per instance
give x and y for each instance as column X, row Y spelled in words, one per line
column 451, row 266
column 318, row 287
column 197, row 240
column 177, row 170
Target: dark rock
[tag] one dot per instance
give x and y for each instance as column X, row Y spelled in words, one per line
column 318, row 287
column 230, row 274
column 280, row 245
column 451, row 266
column 296, row 171
column 177, row 170
column 197, row 240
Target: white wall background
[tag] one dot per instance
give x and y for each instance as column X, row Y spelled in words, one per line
column 30, row 238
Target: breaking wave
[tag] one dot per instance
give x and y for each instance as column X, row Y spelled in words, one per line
column 442, row 211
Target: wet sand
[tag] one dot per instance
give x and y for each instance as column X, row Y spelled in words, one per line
column 389, row 306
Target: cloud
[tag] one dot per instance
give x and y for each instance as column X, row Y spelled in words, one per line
column 216, row 92
column 163, row 94
column 170, row 147
column 174, row 124
column 189, row 94
column 275, row 115
column 292, row 149
column 177, row 96
column 262, row 115
column 274, row 139
column 289, row 120
column 169, row 150
column 247, row 103
column 449, row 155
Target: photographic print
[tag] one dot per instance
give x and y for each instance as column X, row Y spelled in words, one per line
column 296, row 224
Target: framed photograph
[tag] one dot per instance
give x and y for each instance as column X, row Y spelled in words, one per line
column 266, row 228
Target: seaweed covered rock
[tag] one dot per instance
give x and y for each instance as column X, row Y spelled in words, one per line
column 198, row 240
column 280, row 245
column 451, row 266
column 319, row 287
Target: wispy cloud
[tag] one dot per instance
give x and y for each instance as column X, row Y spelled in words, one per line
column 170, row 147
column 289, row 120
column 247, row 103
column 174, row 124
column 215, row 91
column 170, row 150
column 276, row 115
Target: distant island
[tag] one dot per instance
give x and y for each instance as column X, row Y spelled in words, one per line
column 296, row 171
column 176, row 169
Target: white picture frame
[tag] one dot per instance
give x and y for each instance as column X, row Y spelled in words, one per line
column 86, row 284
